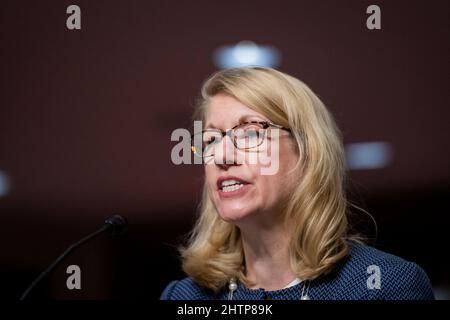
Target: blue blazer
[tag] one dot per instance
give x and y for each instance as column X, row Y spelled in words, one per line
column 365, row 274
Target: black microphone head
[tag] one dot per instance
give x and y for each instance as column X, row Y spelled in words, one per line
column 117, row 223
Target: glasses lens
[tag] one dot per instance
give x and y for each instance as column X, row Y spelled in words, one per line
column 249, row 135
column 210, row 139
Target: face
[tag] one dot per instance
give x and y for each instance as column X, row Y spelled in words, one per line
column 257, row 196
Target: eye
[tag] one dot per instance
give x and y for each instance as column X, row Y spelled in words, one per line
column 211, row 138
column 252, row 132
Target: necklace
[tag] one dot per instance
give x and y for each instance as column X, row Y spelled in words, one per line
column 232, row 287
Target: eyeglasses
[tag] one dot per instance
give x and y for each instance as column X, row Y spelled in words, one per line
column 245, row 136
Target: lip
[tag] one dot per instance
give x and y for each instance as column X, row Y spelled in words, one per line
column 234, row 193
column 221, row 179
column 239, row 192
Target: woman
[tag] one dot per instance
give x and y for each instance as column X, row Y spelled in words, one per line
column 279, row 233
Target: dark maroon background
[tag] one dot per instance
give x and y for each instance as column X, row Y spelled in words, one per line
column 86, row 118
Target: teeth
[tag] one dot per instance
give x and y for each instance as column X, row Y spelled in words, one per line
column 229, row 182
column 232, row 188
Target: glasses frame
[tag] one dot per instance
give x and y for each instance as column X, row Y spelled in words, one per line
column 230, row 133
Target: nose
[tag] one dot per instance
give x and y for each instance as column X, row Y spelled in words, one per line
column 225, row 154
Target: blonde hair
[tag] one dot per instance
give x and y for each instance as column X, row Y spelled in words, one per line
column 318, row 204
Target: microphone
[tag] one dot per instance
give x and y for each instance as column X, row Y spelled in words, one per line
column 114, row 225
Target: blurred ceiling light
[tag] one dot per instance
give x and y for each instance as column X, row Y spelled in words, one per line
column 245, row 54
column 368, row 155
column 4, row 184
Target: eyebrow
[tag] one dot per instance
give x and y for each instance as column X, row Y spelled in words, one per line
column 241, row 119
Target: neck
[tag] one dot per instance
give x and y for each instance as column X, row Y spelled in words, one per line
column 267, row 262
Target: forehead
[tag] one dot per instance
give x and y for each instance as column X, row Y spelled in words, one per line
column 225, row 111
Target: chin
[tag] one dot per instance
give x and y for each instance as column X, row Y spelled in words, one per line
column 230, row 215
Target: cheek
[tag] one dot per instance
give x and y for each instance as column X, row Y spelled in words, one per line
column 270, row 186
column 209, row 177
column 278, row 186
column 207, row 172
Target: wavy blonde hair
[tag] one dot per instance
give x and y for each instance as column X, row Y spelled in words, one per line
column 214, row 253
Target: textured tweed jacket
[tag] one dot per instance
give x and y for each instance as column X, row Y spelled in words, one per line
column 366, row 274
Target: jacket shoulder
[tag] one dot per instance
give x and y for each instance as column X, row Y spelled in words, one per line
column 186, row 289
column 374, row 274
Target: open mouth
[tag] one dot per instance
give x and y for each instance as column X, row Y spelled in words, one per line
column 230, row 184
column 233, row 187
